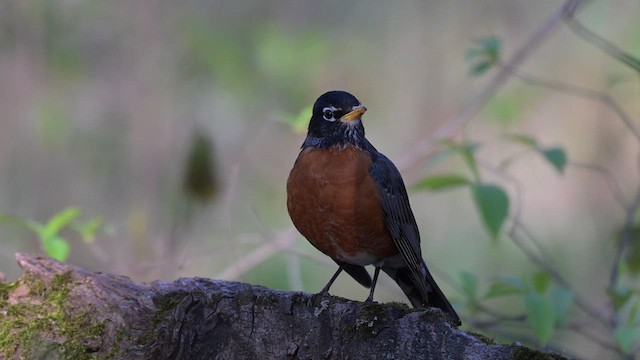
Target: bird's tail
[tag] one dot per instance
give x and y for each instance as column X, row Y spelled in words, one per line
column 424, row 295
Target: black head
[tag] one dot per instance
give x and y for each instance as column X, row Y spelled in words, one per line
column 336, row 120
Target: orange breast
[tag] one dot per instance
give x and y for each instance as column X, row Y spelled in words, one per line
column 334, row 203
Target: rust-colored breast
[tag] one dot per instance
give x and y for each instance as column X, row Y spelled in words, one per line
column 334, row 203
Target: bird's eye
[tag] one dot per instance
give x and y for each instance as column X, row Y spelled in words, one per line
column 327, row 114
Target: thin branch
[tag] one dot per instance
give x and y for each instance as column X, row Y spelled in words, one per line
column 580, row 302
column 259, row 255
column 541, row 260
column 516, row 217
column 602, row 97
column 579, row 329
column 612, row 182
column 471, row 107
column 602, row 43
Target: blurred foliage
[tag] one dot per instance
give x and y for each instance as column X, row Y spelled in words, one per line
column 200, row 176
column 508, row 109
column 52, row 242
column 556, row 156
column 493, row 204
column 484, row 55
column 297, row 122
column 632, row 256
column 491, row 200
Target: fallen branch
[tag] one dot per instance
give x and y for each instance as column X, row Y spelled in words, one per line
column 58, row 310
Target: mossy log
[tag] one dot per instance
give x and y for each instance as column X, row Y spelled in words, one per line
column 60, row 311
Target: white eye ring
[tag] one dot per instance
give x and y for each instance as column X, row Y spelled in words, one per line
column 327, row 113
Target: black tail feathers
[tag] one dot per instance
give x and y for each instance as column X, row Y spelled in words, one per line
column 433, row 296
column 357, row 272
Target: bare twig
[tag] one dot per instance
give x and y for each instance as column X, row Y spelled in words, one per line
column 470, row 108
column 516, row 224
column 580, row 302
column 249, row 261
column 579, row 329
column 602, row 43
column 609, row 178
column 599, row 96
column 631, row 209
column 542, row 261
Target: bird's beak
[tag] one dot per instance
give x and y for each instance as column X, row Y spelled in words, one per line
column 355, row 114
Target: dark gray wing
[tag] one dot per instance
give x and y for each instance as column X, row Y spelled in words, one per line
column 414, row 278
column 398, row 216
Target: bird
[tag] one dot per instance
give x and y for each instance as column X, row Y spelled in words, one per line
column 350, row 202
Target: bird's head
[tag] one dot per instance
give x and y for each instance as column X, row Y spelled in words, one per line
column 336, row 120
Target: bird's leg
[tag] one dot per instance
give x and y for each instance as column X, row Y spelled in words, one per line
column 373, row 285
column 325, row 289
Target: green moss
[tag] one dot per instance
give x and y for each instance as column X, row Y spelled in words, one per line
column 485, row 339
column 165, row 305
column 5, row 290
column 42, row 327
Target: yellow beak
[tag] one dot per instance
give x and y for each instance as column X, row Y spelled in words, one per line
column 355, row 114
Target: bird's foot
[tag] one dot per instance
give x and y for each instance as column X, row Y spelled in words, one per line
column 325, row 290
column 370, row 300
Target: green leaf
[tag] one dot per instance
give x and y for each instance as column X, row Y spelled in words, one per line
column 522, row 139
column 491, row 46
column 469, row 284
column 541, row 281
column 561, row 298
column 56, row 247
column 442, row 181
column 541, row 316
column 481, row 67
column 556, row 156
column 297, row 122
column 484, row 56
column 514, row 282
column 36, row 227
column 14, row 219
column 620, row 296
column 632, row 254
column 88, row 230
column 59, row 221
column 493, row 204
column 506, row 109
column 626, row 337
column 469, row 158
column 499, row 289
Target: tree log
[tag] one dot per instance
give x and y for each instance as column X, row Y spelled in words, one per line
column 60, row 311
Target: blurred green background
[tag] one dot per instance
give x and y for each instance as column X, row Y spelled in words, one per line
column 103, row 101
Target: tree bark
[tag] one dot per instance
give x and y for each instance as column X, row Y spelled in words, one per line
column 61, row 311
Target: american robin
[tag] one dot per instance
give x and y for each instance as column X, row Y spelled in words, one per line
column 350, row 202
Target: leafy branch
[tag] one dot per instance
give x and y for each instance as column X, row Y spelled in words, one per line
column 543, row 314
